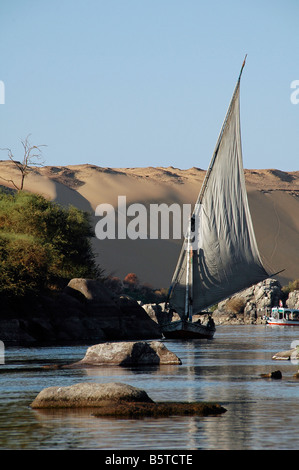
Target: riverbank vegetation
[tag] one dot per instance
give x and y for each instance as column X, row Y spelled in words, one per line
column 135, row 289
column 293, row 285
column 42, row 245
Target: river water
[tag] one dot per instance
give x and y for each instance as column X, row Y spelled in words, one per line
column 262, row 414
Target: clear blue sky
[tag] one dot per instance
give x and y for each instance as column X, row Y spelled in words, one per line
column 126, row 83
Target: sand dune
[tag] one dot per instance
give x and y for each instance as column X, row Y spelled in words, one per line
column 273, row 198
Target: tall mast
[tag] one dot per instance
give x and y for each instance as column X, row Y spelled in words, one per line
column 189, row 273
column 187, row 293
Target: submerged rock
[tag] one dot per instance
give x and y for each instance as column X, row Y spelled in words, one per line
column 160, row 410
column 272, row 375
column 127, row 353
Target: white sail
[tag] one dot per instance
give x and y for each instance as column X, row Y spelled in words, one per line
column 225, row 257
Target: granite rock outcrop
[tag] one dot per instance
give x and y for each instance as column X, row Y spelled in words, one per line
column 85, row 312
column 127, row 353
column 251, row 306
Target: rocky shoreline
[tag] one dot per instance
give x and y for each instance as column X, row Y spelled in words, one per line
column 87, row 312
column 249, row 307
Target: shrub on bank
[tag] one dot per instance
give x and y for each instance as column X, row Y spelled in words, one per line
column 235, row 305
column 132, row 287
column 42, row 245
column 293, row 285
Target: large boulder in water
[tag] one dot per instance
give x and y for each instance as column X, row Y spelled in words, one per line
column 290, row 354
column 88, row 395
column 128, row 353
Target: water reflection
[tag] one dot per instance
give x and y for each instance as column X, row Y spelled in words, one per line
column 261, row 413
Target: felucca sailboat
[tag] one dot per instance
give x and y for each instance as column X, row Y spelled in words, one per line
column 219, row 256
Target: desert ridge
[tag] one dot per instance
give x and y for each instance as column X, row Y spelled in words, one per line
column 273, row 198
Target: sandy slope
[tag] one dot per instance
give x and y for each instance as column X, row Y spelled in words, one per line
column 273, row 198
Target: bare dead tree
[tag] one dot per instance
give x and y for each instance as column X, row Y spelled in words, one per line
column 32, row 157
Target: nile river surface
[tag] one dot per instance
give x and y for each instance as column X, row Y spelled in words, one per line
column 261, row 413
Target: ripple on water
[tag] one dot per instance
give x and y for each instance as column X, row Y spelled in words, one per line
column 261, row 413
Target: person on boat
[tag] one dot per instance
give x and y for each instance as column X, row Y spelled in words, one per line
column 211, row 323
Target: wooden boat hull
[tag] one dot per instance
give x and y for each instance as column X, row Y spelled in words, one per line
column 183, row 329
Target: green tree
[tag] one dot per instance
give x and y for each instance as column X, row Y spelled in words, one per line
column 23, row 265
column 292, row 285
column 42, row 244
